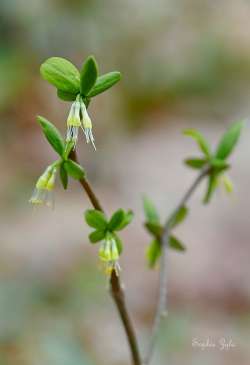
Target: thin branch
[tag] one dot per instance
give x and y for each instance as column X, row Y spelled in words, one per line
column 162, row 298
column 118, row 295
column 116, row 290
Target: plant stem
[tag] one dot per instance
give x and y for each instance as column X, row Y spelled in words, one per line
column 116, row 290
column 92, row 197
column 118, row 295
column 161, row 310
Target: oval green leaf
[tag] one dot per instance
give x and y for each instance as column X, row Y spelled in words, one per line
column 155, row 229
column 195, row 163
column 126, row 220
column 96, row 219
column 150, row 210
column 63, row 176
column 52, row 135
column 62, row 74
column 200, row 139
column 178, row 217
column 211, row 187
column 228, row 141
column 65, row 96
column 74, row 169
column 176, row 244
column 88, row 75
column 153, row 253
column 96, row 236
column 105, row 82
column 116, row 220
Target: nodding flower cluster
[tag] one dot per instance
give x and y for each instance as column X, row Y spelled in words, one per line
column 43, row 192
column 78, row 117
column 109, row 255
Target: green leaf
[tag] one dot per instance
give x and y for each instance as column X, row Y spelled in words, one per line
column 153, row 253
column 96, row 219
column 179, row 217
column 126, row 220
column 66, row 96
column 52, row 135
column 228, row 185
column 97, row 236
column 74, row 169
column 176, row 244
column 116, row 220
column 211, row 187
column 155, row 229
column 195, row 163
column 88, row 75
column 63, row 176
column 118, row 243
column 68, row 148
column 105, row 82
column 62, row 74
column 219, row 165
column 202, row 142
column 228, row 141
column 150, row 210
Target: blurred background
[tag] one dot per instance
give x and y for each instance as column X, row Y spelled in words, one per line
column 185, row 63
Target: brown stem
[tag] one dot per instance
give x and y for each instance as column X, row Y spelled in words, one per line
column 95, row 202
column 119, row 298
column 115, row 285
column 86, row 186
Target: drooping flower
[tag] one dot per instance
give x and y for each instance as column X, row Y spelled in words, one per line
column 87, row 125
column 43, row 192
column 109, row 254
column 78, row 117
column 74, row 122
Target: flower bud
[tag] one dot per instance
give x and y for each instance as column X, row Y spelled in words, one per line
column 43, row 192
column 109, row 254
column 73, row 122
column 44, row 178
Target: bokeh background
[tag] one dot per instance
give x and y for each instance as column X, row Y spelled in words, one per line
column 185, row 63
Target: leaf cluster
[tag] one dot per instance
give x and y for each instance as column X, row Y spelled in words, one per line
column 156, row 230
column 70, row 82
column 216, row 162
column 103, row 226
